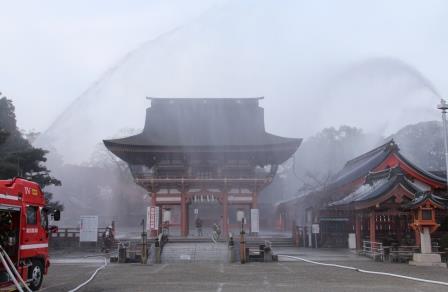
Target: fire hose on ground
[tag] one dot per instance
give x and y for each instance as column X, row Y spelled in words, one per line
column 91, row 277
column 367, row 271
column 8, row 264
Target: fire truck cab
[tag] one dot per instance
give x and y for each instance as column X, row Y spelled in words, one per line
column 24, row 232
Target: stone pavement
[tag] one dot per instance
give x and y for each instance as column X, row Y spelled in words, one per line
column 281, row 276
column 322, row 254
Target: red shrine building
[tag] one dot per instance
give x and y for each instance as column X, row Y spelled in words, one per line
column 379, row 196
column 206, row 158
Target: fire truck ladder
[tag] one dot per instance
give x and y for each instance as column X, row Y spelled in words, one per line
column 8, row 264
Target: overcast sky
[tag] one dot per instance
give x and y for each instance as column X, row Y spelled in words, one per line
column 54, row 50
column 318, row 63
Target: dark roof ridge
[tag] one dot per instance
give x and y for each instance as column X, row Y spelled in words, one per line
column 377, row 175
column 374, row 193
column 390, row 145
column 203, row 98
column 388, row 172
column 408, row 184
column 360, row 166
column 421, row 197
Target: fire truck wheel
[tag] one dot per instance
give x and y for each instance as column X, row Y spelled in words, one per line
column 36, row 275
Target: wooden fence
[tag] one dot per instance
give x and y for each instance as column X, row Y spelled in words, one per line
column 69, row 238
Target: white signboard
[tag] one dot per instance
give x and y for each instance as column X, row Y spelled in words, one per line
column 352, row 240
column 254, row 221
column 88, row 229
column 152, row 218
column 315, row 229
column 196, row 211
column 166, row 215
column 240, row 215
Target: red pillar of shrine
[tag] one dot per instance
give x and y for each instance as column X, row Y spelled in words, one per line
column 398, row 229
column 282, row 221
column 153, row 233
column 225, row 215
column 153, row 199
column 358, row 235
column 417, row 237
column 372, row 226
column 254, row 206
column 254, row 200
column 183, row 216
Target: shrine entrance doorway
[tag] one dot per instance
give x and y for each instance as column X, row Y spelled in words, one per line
column 209, row 210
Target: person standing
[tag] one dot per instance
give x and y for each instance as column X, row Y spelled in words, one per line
column 199, row 226
column 216, row 232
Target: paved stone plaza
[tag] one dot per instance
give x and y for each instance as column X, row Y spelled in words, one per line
column 285, row 275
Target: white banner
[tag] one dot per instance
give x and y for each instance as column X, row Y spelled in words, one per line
column 254, row 221
column 152, row 218
column 88, row 229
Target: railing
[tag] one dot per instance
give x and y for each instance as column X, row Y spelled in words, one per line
column 142, row 178
column 404, row 253
column 374, row 250
column 73, row 232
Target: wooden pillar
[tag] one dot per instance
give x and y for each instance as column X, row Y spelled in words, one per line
column 417, row 237
column 153, row 233
column 398, row 227
column 282, row 221
column 358, row 234
column 254, row 200
column 295, row 234
column 225, row 215
column 187, row 218
column 183, row 215
column 153, row 199
column 254, row 205
column 372, row 226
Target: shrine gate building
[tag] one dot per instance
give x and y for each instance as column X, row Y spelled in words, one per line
column 207, row 158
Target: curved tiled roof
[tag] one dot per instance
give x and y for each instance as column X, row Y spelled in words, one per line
column 424, row 196
column 207, row 126
column 428, row 174
column 368, row 192
column 204, row 122
column 360, row 166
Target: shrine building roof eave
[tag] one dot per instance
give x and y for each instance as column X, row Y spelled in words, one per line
column 187, row 99
column 364, row 164
column 142, row 141
column 264, row 154
column 203, row 122
column 423, row 172
column 423, row 197
column 360, row 166
column 375, row 192
column 290, row 143
column 204, row 126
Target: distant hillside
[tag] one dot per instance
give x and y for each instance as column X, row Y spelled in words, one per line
column 422, row 143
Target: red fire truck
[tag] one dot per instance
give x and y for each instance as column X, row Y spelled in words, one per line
column 24, row 234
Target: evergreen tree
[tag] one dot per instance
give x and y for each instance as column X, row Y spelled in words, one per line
column 18, row 157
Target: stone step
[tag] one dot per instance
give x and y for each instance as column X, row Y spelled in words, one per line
column 275, row 242
column 194, row 252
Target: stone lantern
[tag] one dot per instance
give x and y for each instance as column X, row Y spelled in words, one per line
column 424, row 211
